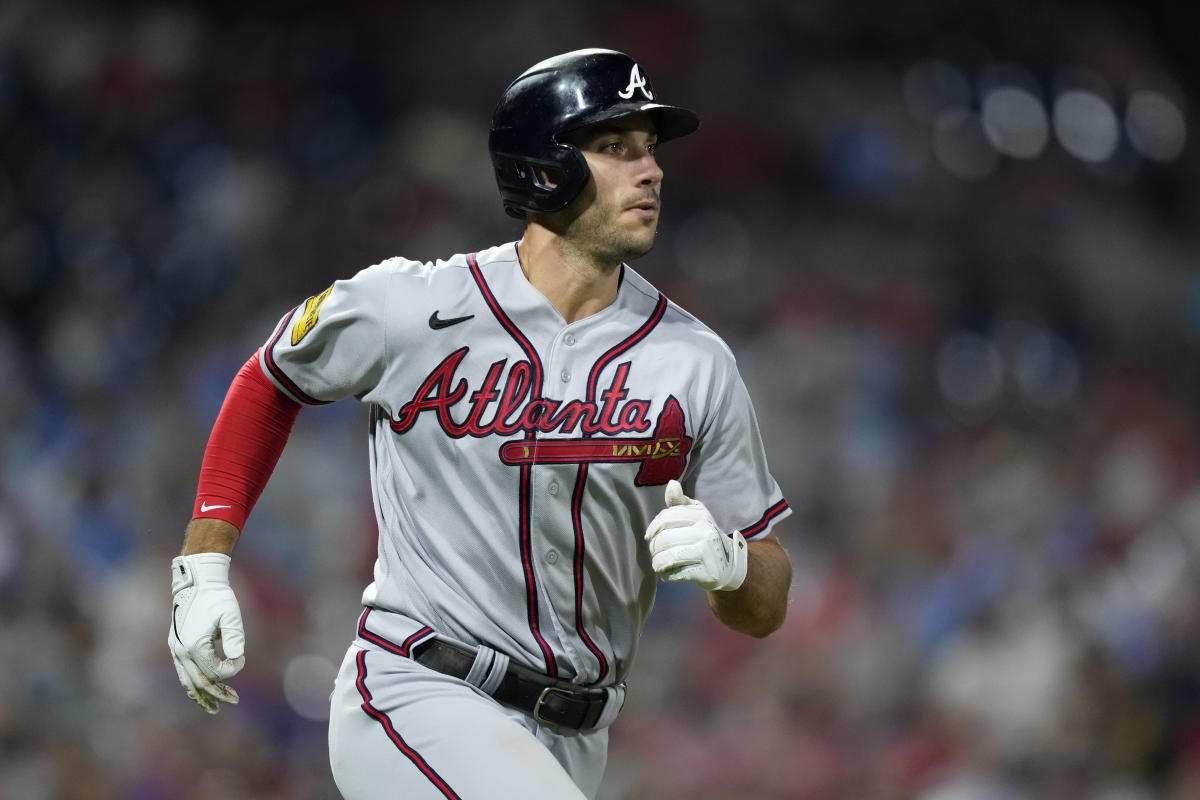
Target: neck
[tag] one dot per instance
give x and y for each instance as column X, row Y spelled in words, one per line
column 577, row 283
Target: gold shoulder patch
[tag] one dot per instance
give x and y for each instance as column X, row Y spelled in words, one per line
column 312, row 309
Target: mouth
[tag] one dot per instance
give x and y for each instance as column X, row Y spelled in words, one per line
column 644, row 208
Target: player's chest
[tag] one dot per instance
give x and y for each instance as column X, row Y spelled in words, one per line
column 567, row 401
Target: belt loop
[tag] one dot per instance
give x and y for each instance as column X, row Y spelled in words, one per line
column 499, row 670
column 612, row 705
column 488, row 669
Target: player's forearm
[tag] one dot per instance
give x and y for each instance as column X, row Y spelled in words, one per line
column 247, row 439
column 759, row 606
column 209, row 536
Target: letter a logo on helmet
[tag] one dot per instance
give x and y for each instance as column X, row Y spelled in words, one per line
column 636, row 81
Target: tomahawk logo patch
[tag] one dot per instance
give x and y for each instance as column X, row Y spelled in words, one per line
column 662, row 455
column 636, row 82
column 312, row 309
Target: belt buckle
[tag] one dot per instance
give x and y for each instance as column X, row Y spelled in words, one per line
column 537, row 707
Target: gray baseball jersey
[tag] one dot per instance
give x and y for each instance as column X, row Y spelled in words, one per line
column 516, row 460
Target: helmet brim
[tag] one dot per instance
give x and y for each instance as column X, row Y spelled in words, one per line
column 670, row 122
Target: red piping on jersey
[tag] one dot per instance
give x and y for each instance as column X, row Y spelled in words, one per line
column 401, row 649
column 508, row 325
column 577, row 525
column 524, row 502
column 641, row 333
column 386, row 723
column 581, row 480
column 770, row 514
column 278, row 372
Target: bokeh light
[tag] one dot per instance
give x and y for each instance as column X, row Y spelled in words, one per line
column 1156, row 125
column 307, row 682
column 1015, row 122
column 970, row 374
column 1084, row 120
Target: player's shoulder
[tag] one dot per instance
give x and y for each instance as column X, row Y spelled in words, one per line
column 411, row 269
column 462, row 263
column 411, row 272
column 679, row 324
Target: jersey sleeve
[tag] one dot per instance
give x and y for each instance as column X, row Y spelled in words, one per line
column 729, row 472
column 334, row 344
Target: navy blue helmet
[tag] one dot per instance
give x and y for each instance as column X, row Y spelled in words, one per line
column 562, row 94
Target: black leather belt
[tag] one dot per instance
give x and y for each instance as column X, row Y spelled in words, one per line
column 550, row 701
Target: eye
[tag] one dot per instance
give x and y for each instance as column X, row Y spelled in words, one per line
column 652, row 148
column 614, row 147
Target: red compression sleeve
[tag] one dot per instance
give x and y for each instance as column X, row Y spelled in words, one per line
column 246, row 442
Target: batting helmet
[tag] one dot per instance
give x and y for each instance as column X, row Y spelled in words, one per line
column 558, row 95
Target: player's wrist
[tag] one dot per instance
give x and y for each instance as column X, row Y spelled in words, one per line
column 195, row 569
column 210, row 535
column 737, row 564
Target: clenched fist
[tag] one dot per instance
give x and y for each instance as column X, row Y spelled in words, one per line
column 204, row 611
column 687, row 545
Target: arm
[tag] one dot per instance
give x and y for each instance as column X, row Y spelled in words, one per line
column 759, row 605
column 246, row 442
column 329, row 348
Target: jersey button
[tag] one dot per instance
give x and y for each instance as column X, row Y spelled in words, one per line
column 553, row 487
column 569, row 340
column 551, row 556
column 566, row 376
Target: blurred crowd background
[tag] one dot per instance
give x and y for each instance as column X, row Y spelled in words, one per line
column 953, row 244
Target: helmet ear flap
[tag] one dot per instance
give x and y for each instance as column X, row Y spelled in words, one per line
column 544, row 176
column 528, row 183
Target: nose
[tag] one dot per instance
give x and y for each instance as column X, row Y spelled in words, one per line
column 649, row 172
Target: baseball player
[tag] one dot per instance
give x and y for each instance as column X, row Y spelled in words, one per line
column 549, row 436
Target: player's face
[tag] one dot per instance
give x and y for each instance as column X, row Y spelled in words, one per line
column 616, row 215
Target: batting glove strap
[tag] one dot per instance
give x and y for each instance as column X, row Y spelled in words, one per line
column 205, row 612
column 686, row 544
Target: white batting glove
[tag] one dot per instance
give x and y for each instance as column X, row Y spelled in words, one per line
column 686, row 545
column 204, row 612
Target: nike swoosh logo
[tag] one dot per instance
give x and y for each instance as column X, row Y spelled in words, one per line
column 207, row 507
column 175, row 623
column 438, row 324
